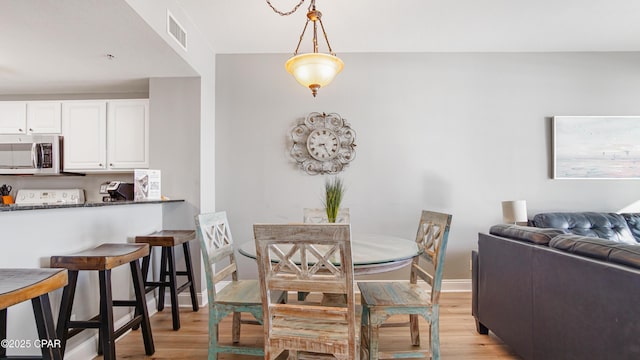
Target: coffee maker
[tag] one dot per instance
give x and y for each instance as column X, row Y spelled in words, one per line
column 117, row 190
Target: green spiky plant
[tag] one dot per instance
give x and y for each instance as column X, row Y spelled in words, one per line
column 334, row 190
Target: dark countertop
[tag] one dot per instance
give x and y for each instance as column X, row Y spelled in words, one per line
column 85, row 205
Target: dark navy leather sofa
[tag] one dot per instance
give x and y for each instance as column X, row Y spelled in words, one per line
column 566, row 288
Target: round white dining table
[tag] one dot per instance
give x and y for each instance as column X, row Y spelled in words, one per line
column 371, row 253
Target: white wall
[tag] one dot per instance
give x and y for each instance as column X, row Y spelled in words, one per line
column 174, row 112
column 456, row 133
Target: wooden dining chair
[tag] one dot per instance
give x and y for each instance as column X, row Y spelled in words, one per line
column 216, row 245
column 299, row 258
column 319, row 216
column 380, row 300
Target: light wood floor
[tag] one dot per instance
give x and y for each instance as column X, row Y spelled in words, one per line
column 458, row 337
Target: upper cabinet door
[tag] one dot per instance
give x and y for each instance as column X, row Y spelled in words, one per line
column 128, row 134
column 13, row 117
column 84, row 126
column 44, row 117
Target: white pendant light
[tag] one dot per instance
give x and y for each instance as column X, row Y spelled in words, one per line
column 313, row 70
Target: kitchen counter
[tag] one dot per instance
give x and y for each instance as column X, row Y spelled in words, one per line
column 31, row 237
column 14, row 207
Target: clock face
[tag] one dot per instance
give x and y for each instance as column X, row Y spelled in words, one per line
column 323, row 144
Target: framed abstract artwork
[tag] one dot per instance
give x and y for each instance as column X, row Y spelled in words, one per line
column 596, row 147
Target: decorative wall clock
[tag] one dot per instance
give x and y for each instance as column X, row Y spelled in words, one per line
column 323, row 143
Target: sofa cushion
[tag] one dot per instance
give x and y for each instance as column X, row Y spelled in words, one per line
column 530, row 234
column 610, row 226
column 601, row 249
column 633, row 221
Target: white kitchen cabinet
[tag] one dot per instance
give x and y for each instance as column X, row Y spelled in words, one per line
column 44, row 117
column 128, row 134
column 105, row 135
column 13, row 117
column 30, row 117
column 84, row 131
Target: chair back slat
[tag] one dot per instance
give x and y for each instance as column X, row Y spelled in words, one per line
column 218, row 254
column 225, row 272
column 319, row 216
column 432, row 238
column 329, row 313
column 216, row 244
column 327, row 287
column 422, row 274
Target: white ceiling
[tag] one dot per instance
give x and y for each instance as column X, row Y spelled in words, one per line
column 250, row 26
column 61, row 46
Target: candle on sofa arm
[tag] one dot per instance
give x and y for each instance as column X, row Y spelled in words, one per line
column 514, row 212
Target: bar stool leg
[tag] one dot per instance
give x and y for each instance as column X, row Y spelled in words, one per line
column 145, row 265
column 107, row 340
column 175, row 311
column 46, row 332
column 3, row 331
column 192, row 287
column 141, row 307
column 163, row 278
column 64, row 316
column 145, row 273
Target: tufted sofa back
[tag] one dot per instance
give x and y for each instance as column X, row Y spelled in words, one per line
column 633, row 221
column 610, row 226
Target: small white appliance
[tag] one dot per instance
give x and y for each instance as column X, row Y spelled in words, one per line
column 49, row 197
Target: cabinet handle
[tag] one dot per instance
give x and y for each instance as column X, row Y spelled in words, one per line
column 100, row 164
column 111, row 164
column 20, row 130
column 30, row 130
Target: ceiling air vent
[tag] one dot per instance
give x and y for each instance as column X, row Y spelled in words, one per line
column 176, row 30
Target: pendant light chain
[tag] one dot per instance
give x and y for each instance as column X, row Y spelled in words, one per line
column 282, row 13
column 326, row 38
column 301, row 37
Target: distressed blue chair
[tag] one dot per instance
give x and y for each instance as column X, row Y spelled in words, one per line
column 216, row 245
column 381, row 300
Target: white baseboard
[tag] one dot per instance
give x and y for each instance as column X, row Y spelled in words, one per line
column 184, row 298
column 456, row 285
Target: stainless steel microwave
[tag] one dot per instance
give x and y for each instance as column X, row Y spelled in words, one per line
column 30, row 154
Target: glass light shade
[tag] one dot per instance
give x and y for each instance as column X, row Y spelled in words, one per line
column 314, row 70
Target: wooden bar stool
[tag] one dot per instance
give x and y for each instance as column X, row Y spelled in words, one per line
column 18, row 285
column 168, row 239
column 102, row 259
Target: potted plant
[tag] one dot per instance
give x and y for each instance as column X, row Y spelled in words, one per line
column 334, row 190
